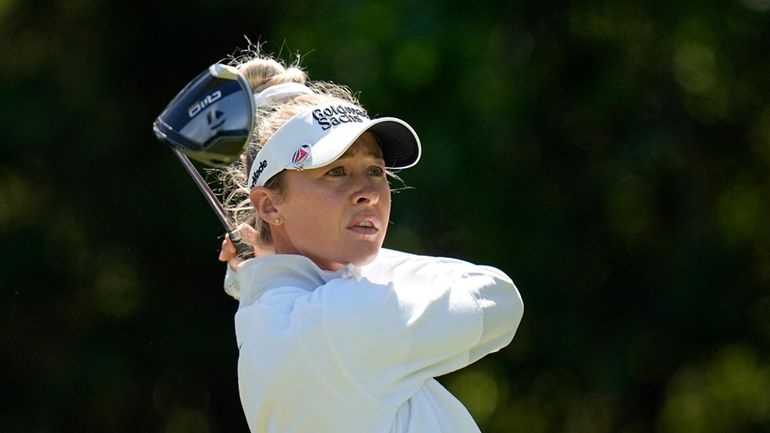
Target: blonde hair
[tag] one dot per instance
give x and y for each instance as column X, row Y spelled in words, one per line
column 263, row 71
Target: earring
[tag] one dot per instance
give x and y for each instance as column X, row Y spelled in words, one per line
column 277, row 221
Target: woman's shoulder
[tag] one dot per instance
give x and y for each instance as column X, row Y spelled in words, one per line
column 390, row 258
column 259, row 275
column 391, row 264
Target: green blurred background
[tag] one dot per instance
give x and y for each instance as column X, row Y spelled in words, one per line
column 612, row 157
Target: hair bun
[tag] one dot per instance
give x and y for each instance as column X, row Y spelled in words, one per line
column 262, row 73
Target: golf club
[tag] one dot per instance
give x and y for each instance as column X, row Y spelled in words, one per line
column 210, row 120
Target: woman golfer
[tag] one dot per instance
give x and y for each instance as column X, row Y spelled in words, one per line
column 337, row 334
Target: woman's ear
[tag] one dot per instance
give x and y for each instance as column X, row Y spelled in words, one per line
column 264, row 199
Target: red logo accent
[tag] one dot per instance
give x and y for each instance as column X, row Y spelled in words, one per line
column 300, row 155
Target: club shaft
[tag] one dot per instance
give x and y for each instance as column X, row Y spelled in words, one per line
column 243, row 249
column 203, row 186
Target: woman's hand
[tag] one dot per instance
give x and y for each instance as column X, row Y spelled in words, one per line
column 248, row 236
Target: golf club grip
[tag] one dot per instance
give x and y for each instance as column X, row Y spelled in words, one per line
column 244, row 250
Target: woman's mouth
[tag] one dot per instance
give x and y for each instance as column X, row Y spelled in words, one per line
column 364, row 226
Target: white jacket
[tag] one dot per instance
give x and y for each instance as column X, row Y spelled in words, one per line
column 357, row 350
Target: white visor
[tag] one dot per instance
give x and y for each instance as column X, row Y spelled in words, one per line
column 320, row 135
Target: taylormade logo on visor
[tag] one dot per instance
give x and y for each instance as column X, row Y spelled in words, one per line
column 334, row 115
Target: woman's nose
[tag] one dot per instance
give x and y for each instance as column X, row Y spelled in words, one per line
column 366, row 191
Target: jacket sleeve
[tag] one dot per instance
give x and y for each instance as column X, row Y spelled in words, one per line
column 231, row 285
column 434, row 316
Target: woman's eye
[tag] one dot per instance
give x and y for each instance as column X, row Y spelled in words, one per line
column 336, row 171
column 376, row 171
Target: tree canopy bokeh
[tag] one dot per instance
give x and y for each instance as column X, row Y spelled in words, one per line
column 612, row 157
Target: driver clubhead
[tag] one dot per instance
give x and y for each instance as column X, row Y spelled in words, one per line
column 211, row 119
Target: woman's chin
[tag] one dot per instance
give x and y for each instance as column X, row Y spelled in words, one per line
column 365, row 260
column 360, row 254
column 363, row 256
